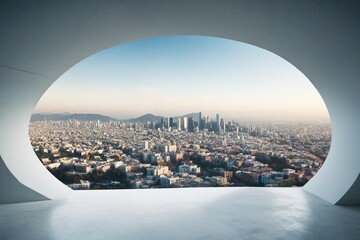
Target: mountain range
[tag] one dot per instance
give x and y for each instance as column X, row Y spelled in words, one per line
column 153, row 118
column 75, row 116
column 94, row 117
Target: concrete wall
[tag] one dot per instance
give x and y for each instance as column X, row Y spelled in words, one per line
column 41, row 40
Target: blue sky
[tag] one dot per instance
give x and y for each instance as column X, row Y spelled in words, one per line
column 176, row 75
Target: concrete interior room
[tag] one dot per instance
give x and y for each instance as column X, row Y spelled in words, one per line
column 40, row 41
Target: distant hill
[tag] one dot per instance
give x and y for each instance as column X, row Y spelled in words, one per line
column 75, row 116
column 153, row 118
column 146, row 118
column 194, row 115
column 94, row 117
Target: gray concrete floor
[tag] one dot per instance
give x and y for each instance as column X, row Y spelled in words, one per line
column 198, row 213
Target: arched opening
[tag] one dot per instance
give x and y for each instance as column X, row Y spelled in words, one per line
column 182, row 111
column 42, row 40
column 313, row 39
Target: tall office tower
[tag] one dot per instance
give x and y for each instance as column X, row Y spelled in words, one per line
column 179, row 124
column 171, row 122
column 162, row 123
column 167, row 123
column 200, row 125
column 218, row 123
column 207, row 123
column 185, row 123
column 203, row 124
column 223, row 125
column 191, row 124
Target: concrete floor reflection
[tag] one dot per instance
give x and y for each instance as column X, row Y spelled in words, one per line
column 198, row 213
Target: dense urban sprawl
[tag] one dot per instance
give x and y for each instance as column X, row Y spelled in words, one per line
column 180, row 152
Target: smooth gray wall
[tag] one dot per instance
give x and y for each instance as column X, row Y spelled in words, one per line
column 15, row 192
column 321, row 38
column 19, row 93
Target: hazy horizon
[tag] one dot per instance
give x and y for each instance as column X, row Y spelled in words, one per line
column 173, row 76
column 212, row 117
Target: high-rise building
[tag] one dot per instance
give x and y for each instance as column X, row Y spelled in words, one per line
column 223, row 127
column 203, row 124
column 200, row 125
column 207, row 123
column 167, row 124
column 179, row 124
column 185, row 126
column 171, row 122
column 218, row 123
column 191, row 124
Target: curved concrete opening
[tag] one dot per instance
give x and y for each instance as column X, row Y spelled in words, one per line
column 320, row 40
column 171, row 77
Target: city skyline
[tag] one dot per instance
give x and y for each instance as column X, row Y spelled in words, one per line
column 43, row 116
column 140, row 155
column 168, row 76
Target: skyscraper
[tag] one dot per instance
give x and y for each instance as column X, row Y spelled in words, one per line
column 171, row 122
column 191, row 124
column 223, row 125
column 218, row 123
column 185, row 123
column 207, row 123
column 179, row 124
column 167, row 122
column 200, row 121
column 207, row 119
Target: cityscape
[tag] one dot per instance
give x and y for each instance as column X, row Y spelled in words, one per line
column 193, row 150
column 252, row 119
